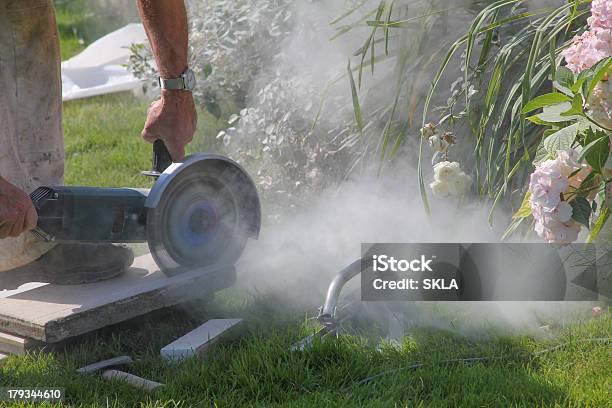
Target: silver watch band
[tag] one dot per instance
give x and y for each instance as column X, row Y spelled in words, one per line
column 186, row 82
column 172, row 83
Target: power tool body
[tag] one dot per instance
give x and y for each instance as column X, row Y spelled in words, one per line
column 200, row 211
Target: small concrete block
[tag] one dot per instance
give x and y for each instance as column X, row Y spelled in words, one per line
column 10, row 344
column 106, row 364
column 131, row 379
column 198, row 340
column 2, row 358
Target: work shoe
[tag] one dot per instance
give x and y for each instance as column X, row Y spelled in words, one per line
column 72, row 264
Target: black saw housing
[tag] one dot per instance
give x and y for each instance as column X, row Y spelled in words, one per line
column 200, row 211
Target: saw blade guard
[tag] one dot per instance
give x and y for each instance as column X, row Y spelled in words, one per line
column 201, row 212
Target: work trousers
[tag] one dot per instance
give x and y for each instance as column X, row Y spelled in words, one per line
column 31, row 139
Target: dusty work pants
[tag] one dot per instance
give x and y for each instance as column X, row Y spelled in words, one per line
column 31, row 142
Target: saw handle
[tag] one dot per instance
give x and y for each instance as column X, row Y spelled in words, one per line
column 161, row 157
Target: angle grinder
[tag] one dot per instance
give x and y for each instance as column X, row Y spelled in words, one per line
column 201, row 211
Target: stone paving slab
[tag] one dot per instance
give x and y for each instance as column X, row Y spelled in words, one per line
column 52, row 313
column 198, row 340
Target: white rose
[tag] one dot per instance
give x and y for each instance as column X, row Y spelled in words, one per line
column 444, row 171
column 460, row 184
column 439, row 188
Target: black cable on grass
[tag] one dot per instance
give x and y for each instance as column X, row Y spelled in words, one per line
column 471, row 360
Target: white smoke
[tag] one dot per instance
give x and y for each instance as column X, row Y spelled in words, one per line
column 298, row 256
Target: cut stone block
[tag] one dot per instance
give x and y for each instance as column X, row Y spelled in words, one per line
column 11, row 344
column 105, row 365
column 197, row 341
column 131, row 379
column 52, row 313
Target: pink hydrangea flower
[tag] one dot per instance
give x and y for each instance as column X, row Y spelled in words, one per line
column 567, row 161
column 601, row 14
column 552, row 215
column 547, row 183
column 588, row 49
column 561, row 233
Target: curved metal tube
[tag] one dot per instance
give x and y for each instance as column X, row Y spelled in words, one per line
column 333, row 292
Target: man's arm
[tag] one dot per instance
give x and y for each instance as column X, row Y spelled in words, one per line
column 173, row 117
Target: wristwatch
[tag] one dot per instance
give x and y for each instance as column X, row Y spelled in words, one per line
column 186, row 82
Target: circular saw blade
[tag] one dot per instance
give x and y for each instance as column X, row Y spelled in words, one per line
column 197, row 222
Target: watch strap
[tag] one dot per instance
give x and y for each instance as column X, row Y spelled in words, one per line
column 172, row 83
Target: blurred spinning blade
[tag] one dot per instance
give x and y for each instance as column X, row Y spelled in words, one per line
column 199, row 220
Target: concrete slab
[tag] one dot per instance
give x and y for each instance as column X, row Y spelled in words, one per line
column 197, row 341
column 52, row 313
column 11, row 344
column 106, row 364
column 131, row 379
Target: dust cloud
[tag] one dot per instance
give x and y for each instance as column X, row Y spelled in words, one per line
column 299, row 256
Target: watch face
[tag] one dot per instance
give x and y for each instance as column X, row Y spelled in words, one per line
column 190, row 80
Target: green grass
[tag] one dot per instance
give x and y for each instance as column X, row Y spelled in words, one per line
column 103, row 144
column 257, row 368
column 103, row 148
column 81, row 22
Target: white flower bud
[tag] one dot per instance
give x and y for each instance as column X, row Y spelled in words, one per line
column 437, row 143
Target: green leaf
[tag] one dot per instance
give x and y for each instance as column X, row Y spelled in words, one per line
column 603, row 217
column 541, row 155
column 590, row 135
column 553, row 113
column 213, row 108
column 565, row 77
column 512, row 228
column 596, row 153
column 600, row 70
column 559, row 140
column 355, row 96
column 581, row 210
column 545, row 100
column 525, row 210
column 387, row 29
column 580, row 80
column 576, row 108
column 536, row 119
column 208, row 69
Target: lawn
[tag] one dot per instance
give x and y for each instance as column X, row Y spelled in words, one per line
column 257, row 367
column 103, row 144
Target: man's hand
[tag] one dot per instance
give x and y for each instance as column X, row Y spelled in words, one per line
column 173, row 119
column 17, row 213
